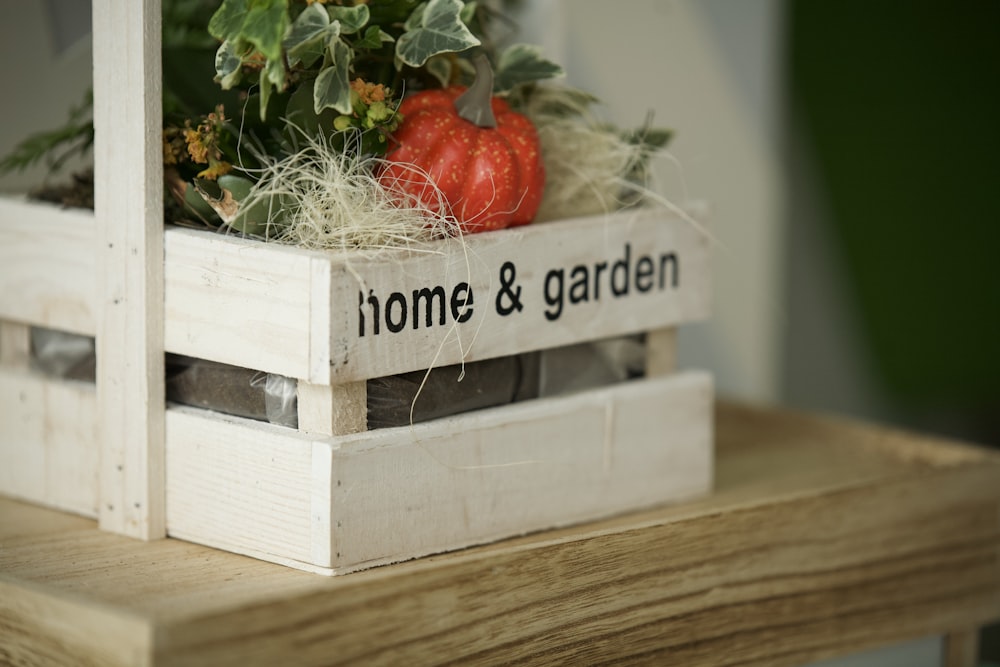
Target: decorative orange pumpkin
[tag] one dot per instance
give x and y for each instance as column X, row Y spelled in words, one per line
column 482, row 157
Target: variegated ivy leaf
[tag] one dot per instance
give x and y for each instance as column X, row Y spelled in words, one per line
column 352, row 19
column 309, row 32
column 434, row 28
column 416, row 19
column 228, row 64
column 333, row 86
column 440, row 68
column 260, row 22
column 271, row 76
column 227, row 21
column 523, row 63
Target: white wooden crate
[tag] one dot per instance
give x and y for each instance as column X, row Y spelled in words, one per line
column 330, row 496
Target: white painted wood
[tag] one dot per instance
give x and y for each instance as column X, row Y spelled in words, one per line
column 296, row 312
column 129, row 253
column 320, row 319
column 237, row 484
column 322, row 521
column 343, row 503
column 336, row 409
column 661, row 351
column 449, row 484
column 241, row 302
column 47, row 268
column 15, row 345
column 603, row 247
column 48, row 441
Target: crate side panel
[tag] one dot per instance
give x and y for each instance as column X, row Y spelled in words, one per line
column 49, row 452
column 518, row 290
column 238, row 485
column 404, row 493
column 47, row 269
column 239, row 302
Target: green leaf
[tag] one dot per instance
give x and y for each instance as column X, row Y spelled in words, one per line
column 416, row 18
column 654, row 138
column 352, row 19
column 437, row 29
column 260, row 22
column 265, row 93
column 468, row 12
column 391, row 13
column 228, row 64
column 230, row 198
column 373, row 38
column 557, row 101
column 309, row 29
column 440, row 68
column 310, row 52
column 227, row 22
column 265, row 26
column 258, row 216
column 333, row 86
column 274, row 70
column 523, row 63
column 239, row 186
column 301, row 115
column 225, row 195
column 189, row 82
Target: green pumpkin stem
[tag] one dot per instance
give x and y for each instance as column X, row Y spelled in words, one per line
column 475, row 104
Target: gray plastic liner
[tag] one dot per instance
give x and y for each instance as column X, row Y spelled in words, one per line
column 395, row 400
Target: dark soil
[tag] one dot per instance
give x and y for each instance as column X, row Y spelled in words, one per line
column 78, row 192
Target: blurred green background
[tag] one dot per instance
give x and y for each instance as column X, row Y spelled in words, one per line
column 898, row 106
column 900, row 103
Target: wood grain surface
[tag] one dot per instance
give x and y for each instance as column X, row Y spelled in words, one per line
column 823, row 537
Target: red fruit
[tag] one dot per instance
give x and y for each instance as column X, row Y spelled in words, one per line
column 491, row 177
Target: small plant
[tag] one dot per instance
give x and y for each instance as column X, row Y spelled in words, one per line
column 263, row 98
column 56, row 146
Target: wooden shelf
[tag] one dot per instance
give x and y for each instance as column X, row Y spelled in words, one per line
column 823, row 537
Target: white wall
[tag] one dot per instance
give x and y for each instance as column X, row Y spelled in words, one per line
column 670, row 56
column 46, row 53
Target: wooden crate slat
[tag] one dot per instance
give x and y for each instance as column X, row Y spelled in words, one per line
column 459, row 481
column 532, row 288
column 295, row 312
column 128, row 180
column 336, row 409
column 238, row 483
column 241, row 302
column 15, row 345
column 661, row 351
column 48, row 441
column 400, row 493
column 47, row 268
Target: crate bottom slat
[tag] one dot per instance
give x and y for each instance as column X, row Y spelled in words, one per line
column 48, row 443
column 340, row 504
